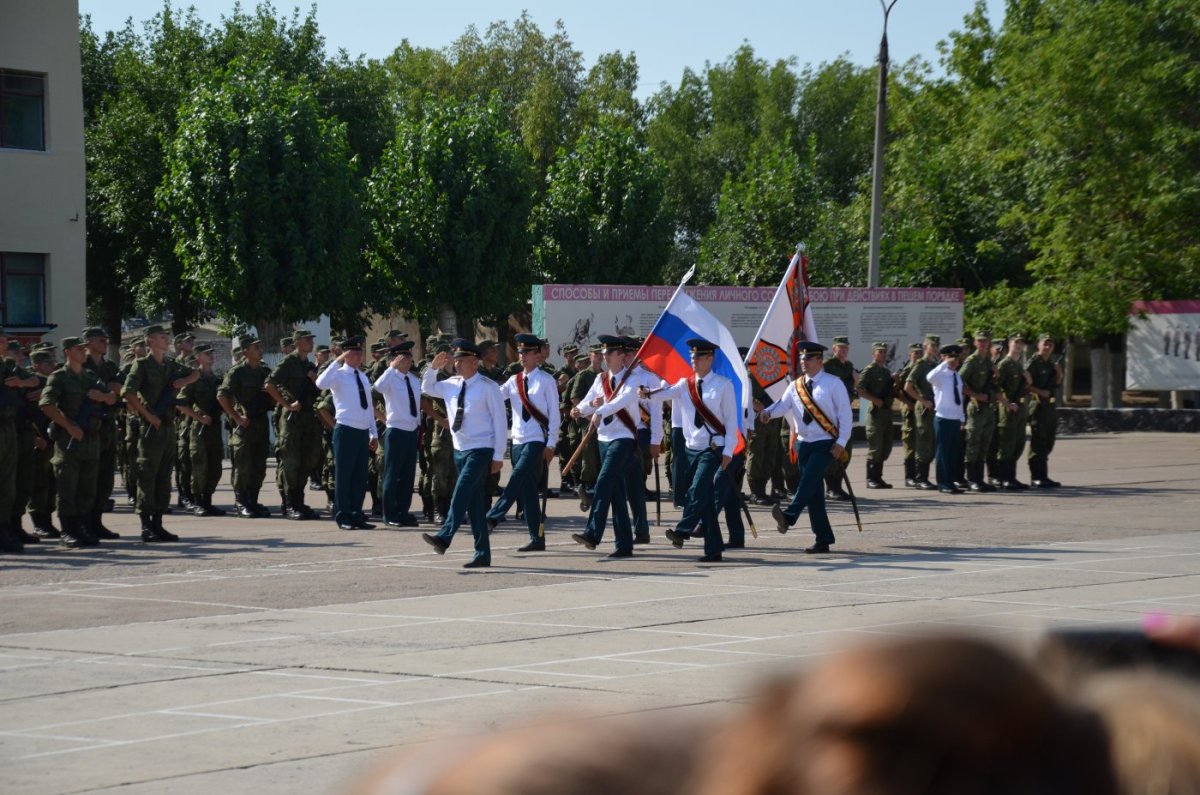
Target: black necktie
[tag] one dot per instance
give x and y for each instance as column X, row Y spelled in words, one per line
column 524, row 411
column 362, row 393
column 700, row 394
column 957, row 399
column 458, row 412
column 808, row 417
column 412, row 399
column 607, row 380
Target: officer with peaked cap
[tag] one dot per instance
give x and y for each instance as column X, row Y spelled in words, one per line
column 354, row 434
column 401, row 390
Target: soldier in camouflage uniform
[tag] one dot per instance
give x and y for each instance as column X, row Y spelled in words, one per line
column 14, row 382
column 1045, row 375
column 133, row 424
column 292, row 386
column 41, row 494
column 567, row 438
column 184, row 344
column 763, row 450
column 840, row 366
column 243, row 399
column 206, row 448
column 1013, row 383
column 440, row 473
column 109, row 374
column 907, row 415
column 978, row 374
column 918, row 388
column 588, row 465
column 71, row 400
column 150, row 390
column 26, row 415
column 877, row 385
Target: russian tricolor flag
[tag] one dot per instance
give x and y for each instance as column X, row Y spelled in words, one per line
column 665, row 351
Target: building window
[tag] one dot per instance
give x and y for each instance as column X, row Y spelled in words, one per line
column 22, row 110
column 22, row 289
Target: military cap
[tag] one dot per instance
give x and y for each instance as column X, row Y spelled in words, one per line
column 337, row 341
column 92, row 332
column 402, row 347
column 611, row 342
column 487, row 345
column 463, row 347
column 631, row 344
column 879, row 346
column 355, row 343
column 441, row 347
column 431, row 339
column 527, row 342
column 567, row 349
column 379, row 347
column 810, row 347
column 1016, row 337
column 301, row 333
column 182, row 337
column 14, row 345
column 983, row 334
column 581, row 357
column 446, row 338
column 40, row 357
column 43, row 346
column 286, row 341
column 397, row 333
column 246, row 340
column 963, row 342
column 701, row 347
column 155, row 329
column 951, row 350
column 933, row 338
column 1043, row 337
column 137, row 339
column 322, row 349
column 596, row 347
column 71, row 342
column 203, row 347
column 841, row 340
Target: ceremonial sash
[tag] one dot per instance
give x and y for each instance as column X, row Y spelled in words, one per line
column 810, row 405
column 622, row 415
column 703, row 410
column 537, row 415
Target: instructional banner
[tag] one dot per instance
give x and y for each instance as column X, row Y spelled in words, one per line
column 1163, row 346
column 578, row 313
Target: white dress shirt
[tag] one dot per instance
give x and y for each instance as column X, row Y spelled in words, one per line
column 716, row 391
column 542, row 391
column 829, row 393
column 339, row 379
column 946, row 385
column 645, row 415
column 626, row 398
column 395, row 396
column 483, row 411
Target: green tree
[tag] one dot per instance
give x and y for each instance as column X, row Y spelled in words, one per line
column 603, row 212
column 262, row 202
column 448, row 209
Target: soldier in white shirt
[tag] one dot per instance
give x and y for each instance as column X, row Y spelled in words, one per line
column 708, row 409
column 949, row 415
column 401, row 391
column 818, row 439
column 354, row 434
column 477, row 426
column 533, row 396
column 612, row 406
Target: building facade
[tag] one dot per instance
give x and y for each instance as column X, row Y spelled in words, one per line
column 42, row 173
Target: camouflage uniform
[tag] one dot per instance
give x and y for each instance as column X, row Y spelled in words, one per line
column 978, row 375
column 248, row 447
column 877, row 380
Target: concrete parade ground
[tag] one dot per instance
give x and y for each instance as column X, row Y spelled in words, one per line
column 280, row 657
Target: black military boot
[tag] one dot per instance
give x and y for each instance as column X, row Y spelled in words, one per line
column 1013, row 483
column 147, row 521
column 923, row 476
column 910, row 472
column 42, row 525
column 880, row 483
column 10, row 542
column 158, row 532
column 285, row 501
column 960, row 476
column 212, row 509
column 1044, row 471
column 71, row 536
column 99, row 530
column 241, row 507
column 260, row 510
column 995, row 469
column 758, row 493
column 19, row 529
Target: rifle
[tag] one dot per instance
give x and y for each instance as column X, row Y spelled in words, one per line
column 162, row 407
column 657, row 496
column 87, row 409
column 213, row 410
column 253, row 410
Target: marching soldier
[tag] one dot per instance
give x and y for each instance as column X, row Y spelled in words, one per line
column 709, row 413
column 840, row 366
column 150, row 390
column 647, row 447
column 71, row 399
column 206, row 448
column 479, row 437
column 1045, row 375
column 292, row 386
column 244, row 400
column 918, row 388
column 1013, row 383
column 978, row 374
column 876, row 385
column 533, row 397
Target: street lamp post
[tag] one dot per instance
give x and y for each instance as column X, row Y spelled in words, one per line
column 877, row 166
